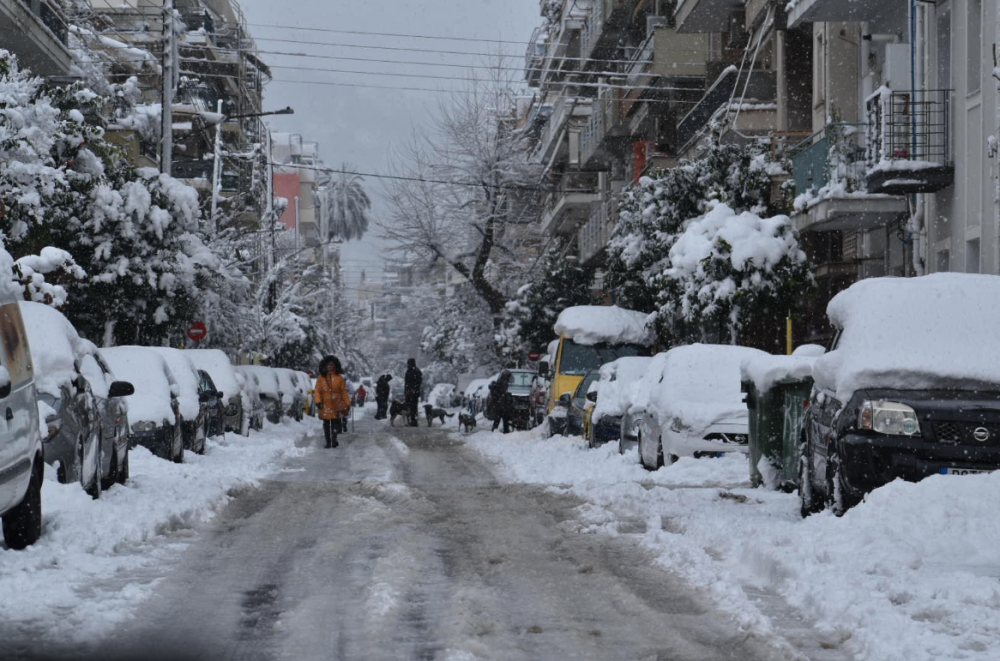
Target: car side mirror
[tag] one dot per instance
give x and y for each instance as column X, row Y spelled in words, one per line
column 121, row 389
column 218, row 393
column 592, row 396
column 565, row 399
column 5, row 383
column 543, row 369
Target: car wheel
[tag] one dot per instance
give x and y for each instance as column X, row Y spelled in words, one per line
column 22, row 526
column 204, row 441
column 97, row 486
column 840, row 496
column 123, row 473
column 807, row 499
column 179, row 442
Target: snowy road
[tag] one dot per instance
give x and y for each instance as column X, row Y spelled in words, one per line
column 405, row 547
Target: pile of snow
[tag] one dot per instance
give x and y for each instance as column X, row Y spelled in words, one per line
column 765, row 371
column 186, row 378
column 597, row 324
column 616, row 384
column 694, row 386
column 914, row 333
column 908, row 575
column 86, row 542
column 147, row 371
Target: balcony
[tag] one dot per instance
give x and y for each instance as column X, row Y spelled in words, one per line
column 569, row 206
column 666, row 54
column 34, row 32
column 762, row 87
column 535, row 57
column 832, row 11
column 604, row 124
column 705, row 16
column 828, row 169
column 909, row 141
column 199, row 174
column 554, row 141
column 601, row 29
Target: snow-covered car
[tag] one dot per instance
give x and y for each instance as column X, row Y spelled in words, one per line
column 269, row 390
column 154, row 416
column 692, row 404
column 613, row 395
column 21, row 458
column 292, row 397
column 237, row 403
column 250, row 388
column 476, row 393
column 305, row 384
column 441, row 395
column 577, row 405
column 910, row 388
column 79, row 402
column 194, row 402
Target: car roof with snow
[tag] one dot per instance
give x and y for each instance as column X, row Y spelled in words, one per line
column 600, row 324
column 148, row 372
column 186, row 376
column 267, row 379
column 216, row 363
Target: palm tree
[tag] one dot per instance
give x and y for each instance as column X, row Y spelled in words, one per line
column 346, row 205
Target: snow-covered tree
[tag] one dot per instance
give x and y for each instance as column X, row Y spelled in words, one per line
column 459, row 336
column 345, row 204
column 560, row 283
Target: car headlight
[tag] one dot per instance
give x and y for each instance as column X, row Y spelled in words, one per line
column 888, row 418
column 144, row 426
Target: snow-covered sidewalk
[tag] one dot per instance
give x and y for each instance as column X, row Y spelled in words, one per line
column 911, row 574
column 78, row 581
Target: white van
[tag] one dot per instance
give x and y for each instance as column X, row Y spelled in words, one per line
column 21, row 461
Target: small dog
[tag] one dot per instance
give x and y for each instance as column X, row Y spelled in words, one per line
column 396, row 409
column 435, row 413
column 467, row 420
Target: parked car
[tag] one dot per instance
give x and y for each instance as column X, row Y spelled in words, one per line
column 215, row 399
column 476, row 393
column 521, row 385
column 268, row 389
column 693, row 405
column 910, row 388
column 153, row 411
column 21, row 459
column 237, row 404
column 292, row 399
column 305, row 384
column 576, row 405
column 80, row 403
column 613, row 394
column 441, row 395
column 249, row 384
column 194, row 405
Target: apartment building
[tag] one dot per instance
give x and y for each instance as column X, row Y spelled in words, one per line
column 36, row 32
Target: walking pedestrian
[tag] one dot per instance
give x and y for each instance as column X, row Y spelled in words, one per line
column 382, row 396
column 332, row 398
column 411, row 388
column 502, row 401
column 360, row 395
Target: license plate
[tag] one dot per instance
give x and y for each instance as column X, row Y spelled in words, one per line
column 964, row 471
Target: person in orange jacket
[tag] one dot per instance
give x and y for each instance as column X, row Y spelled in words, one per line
column 332, row 398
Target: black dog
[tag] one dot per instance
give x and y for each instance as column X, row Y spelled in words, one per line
column 396, row 409
column 467, row 420
column 435, row 413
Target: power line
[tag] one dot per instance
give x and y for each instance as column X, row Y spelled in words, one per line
column 386, row 34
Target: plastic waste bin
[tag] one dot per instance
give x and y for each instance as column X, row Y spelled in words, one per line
column 775, row 424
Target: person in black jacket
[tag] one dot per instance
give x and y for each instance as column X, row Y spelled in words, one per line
column 502, row 401
column 413, row 381
column 382, row 396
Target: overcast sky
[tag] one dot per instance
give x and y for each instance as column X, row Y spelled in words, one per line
column 358, row 126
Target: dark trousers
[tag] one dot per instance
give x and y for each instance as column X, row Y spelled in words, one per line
column 411, row 408
column 382, row 410
column 505, row 416
column 330, row 429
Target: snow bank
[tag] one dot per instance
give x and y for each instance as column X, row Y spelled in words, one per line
column 696, row 385
column 63, row 581
column 147, row 371
column 913, row 333
column 595, row 324
column 615, row 387
column 908, row 575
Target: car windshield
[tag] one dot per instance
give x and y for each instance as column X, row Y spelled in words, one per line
column 578, row 359
column 521, row 379
column 584, row 386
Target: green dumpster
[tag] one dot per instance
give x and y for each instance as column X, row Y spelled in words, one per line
column 775, row 422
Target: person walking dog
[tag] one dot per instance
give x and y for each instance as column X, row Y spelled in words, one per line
column 382, row 396
column 332, row 398
column 413, row 381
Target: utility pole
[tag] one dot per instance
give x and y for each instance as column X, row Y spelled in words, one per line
column 217, row 173
column 169, row 74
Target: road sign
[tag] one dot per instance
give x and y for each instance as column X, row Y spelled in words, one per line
column 198, row 331
column 535, row 356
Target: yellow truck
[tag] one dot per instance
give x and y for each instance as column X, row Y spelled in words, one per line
column 589, row 336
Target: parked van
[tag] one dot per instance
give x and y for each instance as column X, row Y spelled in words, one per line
column 21, row 461
column 590, row 336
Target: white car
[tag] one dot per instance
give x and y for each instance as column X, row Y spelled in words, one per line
column 614, row 396
column 692, row 404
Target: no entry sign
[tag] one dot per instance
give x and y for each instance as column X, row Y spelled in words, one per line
column 198, row 331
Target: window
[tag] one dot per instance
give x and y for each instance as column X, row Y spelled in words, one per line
column 943, row 261
column 974, row 10
column 972, row 256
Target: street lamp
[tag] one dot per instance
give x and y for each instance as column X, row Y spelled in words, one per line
column 217, row 171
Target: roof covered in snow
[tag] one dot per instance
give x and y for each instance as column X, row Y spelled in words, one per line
column 148, row 373
column 217, row 364
column 596, row 324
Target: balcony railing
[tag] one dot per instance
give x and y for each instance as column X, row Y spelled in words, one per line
column 836, row 152
column 762, row 87
column 204, row 170
column 534, row 56
column 643, row 56
column 909, row 141
column 49, row 16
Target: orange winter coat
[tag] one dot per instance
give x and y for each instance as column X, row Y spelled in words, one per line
column 332, row 397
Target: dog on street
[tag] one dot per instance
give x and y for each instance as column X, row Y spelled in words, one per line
column 396, row 409
column 467, row 420
column 432, row 413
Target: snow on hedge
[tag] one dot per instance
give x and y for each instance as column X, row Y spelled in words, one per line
column 914, row 333
column 596, row 324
